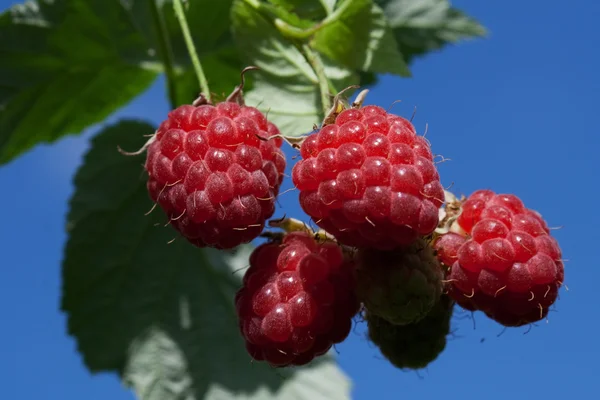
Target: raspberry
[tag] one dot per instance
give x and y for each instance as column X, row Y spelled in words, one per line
column 369, row 180
column 400, row 286
column 447, row 247
column 508, row 265
column 212, row 174
column 297, row 300
column 413, row 346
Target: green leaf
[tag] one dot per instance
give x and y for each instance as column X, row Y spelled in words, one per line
column 161, row 315
column 209, row 25
column 360, row 38
column 314, row 10
column 328, row 5
column 290, row 13
column 286, row 87
column 367, row 79
column 422, row 26
column 65, row 65
column 152, row 378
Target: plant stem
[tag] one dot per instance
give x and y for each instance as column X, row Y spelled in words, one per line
column 187, row 36
column 253, row 3
column 165, row 52
column 303, row 34
column 324, row 83
column 326, row 6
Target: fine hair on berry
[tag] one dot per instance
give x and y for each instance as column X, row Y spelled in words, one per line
column 369, row 180
column 215, row 171
column 505, row 263
column 297, row 300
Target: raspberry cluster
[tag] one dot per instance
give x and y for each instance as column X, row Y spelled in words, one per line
column 369, row 180
column 215, row 172
column 503, row 261
column 297, row 300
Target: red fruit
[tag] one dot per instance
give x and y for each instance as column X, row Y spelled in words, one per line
column 369, row 180
column 212, row 175
column 508, row 266
column 447, row 246
column 297, row 300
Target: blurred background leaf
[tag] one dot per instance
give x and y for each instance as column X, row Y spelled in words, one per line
column 422, row 26
column 68, row 64
column 361, row 39
column 64, row 65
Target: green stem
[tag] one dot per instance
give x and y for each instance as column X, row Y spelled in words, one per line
column 324, row 83
column 187, row 36
column 165, row 52
column 303, row 34
column 253, row 3
column 332, row 88
column 328, row 9
column 299, row 33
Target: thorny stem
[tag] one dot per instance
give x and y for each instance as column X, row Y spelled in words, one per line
column 187, row 36
column 165, row 52
column 324, row 83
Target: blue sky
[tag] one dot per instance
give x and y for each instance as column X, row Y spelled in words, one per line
column 516, row 112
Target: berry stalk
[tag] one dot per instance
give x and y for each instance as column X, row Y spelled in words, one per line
column 187, row 36
column 305, row 34
column 327, row 6
column 165, row 52
column 324, row 83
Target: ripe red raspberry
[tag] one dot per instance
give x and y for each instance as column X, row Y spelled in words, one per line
column 400, row 286
column 508, row 265
column 413, row 346
column 212, row 175
column 297, row 300
column 369, row 180
column 447, row 246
